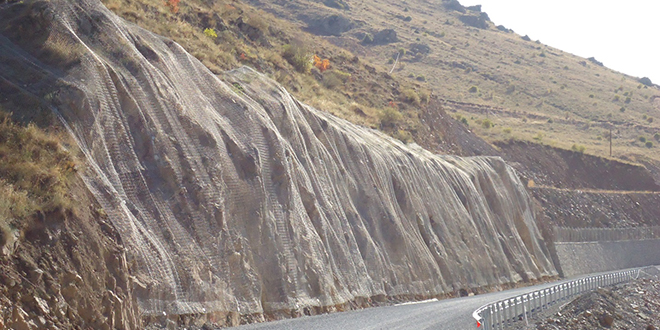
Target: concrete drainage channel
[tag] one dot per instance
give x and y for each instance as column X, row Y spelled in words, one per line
column 509, row 312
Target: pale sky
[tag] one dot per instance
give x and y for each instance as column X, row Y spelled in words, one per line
column 621, row 34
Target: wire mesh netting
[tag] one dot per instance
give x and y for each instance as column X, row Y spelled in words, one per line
column 243, row 199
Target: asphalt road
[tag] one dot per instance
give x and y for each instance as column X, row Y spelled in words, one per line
column 449, row 314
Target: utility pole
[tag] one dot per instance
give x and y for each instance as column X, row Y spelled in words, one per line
column 610, row 140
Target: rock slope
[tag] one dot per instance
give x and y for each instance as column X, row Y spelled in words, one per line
column 232, row 198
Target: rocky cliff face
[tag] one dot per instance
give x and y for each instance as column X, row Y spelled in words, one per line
column 232, row 198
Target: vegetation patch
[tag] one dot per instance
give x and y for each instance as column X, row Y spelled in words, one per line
column 35, row 173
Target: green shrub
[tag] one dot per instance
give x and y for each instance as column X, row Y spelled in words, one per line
column 591, row 96
column 628, row 99
column 578, row 148
column 424, row 96
column 210, row 33
column 487, row 123
column 623, row 109
column 649, row 144
column 462, row 120
column 403, row 136
column 331, row 81
column 550, row 121
column 473, row 89
column 616, row 98
column 657, row 136
column 410, row 96
column 507, row 130
column 642, row 139
column 298, row 56
column 649, row 119
column 389, row 117
column 334, row 78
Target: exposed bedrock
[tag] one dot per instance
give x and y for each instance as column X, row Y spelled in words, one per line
column 232, row 197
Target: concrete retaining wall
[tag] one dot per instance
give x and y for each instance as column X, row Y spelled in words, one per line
column 577, row 258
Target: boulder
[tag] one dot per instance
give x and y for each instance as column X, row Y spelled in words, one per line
column 418, row 48
column 595, row 61
column 251, row 32
column 606, row 320
column 454, row 5
column 339, row 4
column 474, row 21
column 385, row 36
column 332, row 25
column 646, row 81
column 476, row 8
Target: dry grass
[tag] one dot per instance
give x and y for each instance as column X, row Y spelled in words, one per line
column 349, row 89
column 35, row 172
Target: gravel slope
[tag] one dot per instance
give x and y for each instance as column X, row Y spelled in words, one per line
column 632, row 306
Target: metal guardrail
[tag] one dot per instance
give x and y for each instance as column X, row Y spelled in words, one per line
column 506, row 312
column 564, row 234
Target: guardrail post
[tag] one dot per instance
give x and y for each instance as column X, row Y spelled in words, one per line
column 544, row 299
column 511, row 311
column 488, row 318
column 537, row 302
column 497, row 317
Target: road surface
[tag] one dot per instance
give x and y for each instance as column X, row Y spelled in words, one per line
column 449, row 314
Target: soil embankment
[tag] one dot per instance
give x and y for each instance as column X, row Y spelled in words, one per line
column 560, row 168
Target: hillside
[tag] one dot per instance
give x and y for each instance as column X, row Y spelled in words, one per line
column 533, row 92
column 500, row 85
column 228, row 162
column 521, row 90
